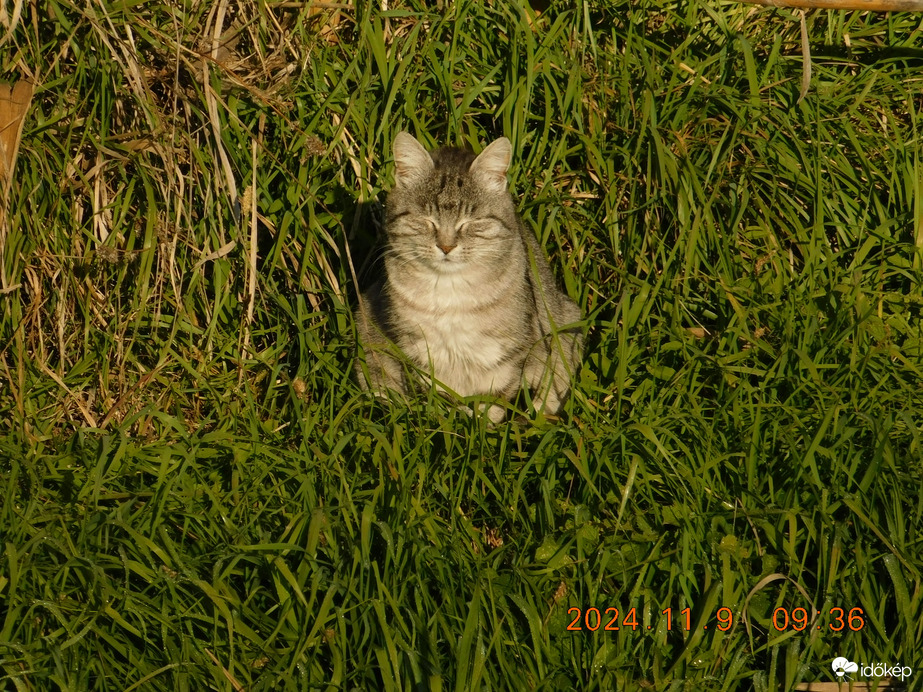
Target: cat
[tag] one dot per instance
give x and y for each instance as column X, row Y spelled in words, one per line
column 467, row 296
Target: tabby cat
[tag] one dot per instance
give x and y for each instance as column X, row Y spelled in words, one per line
column 467, row 297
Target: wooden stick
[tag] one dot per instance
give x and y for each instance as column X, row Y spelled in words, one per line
column 847, row 686
column 14, row 103
column 869, row 5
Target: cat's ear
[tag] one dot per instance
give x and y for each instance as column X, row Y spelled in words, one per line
column 491, row 165
column 411, row 161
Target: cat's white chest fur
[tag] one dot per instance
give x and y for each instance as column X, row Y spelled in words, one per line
column 452, row 339
column 466, row 361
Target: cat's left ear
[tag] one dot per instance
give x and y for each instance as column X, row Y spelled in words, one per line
column 491, row 165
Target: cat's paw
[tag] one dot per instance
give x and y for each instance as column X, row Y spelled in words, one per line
column 549, row 404
column 495, row 413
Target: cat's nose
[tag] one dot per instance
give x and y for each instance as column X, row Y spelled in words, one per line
column 446, row 249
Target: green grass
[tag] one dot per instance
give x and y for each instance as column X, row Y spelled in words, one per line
column 196, row 495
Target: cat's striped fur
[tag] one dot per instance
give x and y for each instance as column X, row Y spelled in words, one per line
column 467, row 297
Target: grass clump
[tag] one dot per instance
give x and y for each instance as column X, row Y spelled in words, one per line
column 195, row 495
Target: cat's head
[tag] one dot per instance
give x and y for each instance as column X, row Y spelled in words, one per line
column 451, row 210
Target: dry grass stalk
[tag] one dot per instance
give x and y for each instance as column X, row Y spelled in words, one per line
column 866, row 5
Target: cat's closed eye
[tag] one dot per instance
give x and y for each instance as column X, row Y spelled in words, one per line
column 482, row 228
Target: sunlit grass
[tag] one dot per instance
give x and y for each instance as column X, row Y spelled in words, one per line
column 195, row 495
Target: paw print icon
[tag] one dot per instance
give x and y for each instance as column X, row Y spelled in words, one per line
column 842, row 665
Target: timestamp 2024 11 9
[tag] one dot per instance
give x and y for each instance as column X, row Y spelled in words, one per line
column 798, row 619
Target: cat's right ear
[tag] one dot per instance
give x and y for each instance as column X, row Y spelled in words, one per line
column 411, row 161
column 491, row 165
